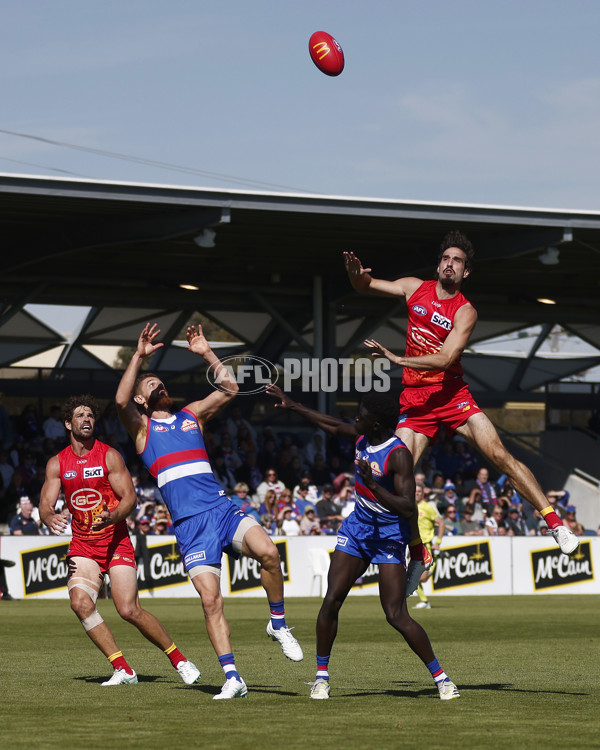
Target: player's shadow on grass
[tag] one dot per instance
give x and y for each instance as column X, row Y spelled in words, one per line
column 252, row 690
column 141, row 678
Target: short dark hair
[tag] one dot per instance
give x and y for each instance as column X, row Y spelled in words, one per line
column 384, row 407
column 140, row 379
column 459, row 240
column 74, row 401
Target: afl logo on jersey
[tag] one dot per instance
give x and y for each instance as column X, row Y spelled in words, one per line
column 419, row 309
column 86, row 499
column 160, row 428
column 69, row 475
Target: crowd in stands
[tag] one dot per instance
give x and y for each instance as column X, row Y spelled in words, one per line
column 294, row 484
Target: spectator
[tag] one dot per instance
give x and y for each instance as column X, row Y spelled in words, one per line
column 28, row 423
column 249, row 471
column 312, row 493
column 287, row 526
column 572, row 522
column 271, row 482
column 488, row 493
column 515, row 522
column 309, row 523
column 54, row 427
column 22, row 523
column 493, row 521
column 227, row 449
column 269, row 504
column 236, row 424
column 474, row 503
column 267, row 521
column 144, row 526
column 469, row 527
column 287, row 501
column 244, row 442
column 267, row 457
column 6, row 428
column 320, row 473
column 315, row 445
column 345, row 501
column 161, row 527
column 222, row 472
column 328, row 512
column 240, row 494
column 12, row 494
column 6, row 468
column 452, row 524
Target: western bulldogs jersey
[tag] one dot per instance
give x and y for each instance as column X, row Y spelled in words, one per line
column 175, row 455
column 84, row 480
column 367, row 507
column 430, row 320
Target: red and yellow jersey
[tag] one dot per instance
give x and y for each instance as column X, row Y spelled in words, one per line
column 84, row 480
column 430, row 320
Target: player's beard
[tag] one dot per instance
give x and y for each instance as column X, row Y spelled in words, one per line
column 159, row 401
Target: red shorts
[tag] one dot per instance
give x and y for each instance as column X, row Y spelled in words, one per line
column 113, row 550
column 425, row 408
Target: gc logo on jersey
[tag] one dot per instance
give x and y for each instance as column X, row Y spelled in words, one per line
column 93, row 472
column 419, row 309
column 86, row 499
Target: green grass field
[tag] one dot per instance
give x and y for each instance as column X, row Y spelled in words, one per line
column 527, row 669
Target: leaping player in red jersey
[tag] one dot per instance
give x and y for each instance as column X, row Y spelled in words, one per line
column 440, row 322
column 100, row 495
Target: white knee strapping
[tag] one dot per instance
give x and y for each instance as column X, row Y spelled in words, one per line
column 197, row 569
column 82, row 583
column 90, row 622
column 238, row 537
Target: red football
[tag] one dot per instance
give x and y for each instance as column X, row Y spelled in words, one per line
column 326, row 53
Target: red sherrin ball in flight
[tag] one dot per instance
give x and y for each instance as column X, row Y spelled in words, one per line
column 326, row 53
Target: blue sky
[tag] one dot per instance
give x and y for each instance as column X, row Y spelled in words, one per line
column 460, row 101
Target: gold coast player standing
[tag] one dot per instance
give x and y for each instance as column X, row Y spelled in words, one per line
column 440, row 322
column 99, row 494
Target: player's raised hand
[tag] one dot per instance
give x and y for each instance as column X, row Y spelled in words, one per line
column 276, row 392
column 380, row 350
column 146, row 345
column 197, row 342
column 359, row 276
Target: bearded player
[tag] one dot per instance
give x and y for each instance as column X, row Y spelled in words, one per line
column 100, row 495
column 440, row 322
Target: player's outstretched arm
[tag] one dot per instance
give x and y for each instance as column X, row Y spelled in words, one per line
column 127, row 410
column 328, row 424
column 56, row 522
column 228, row 389
column 363, row 282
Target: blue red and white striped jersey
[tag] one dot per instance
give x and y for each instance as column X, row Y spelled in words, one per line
column 367, row 506
column 175, row 455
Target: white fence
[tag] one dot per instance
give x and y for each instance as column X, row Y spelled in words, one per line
column 469, row 565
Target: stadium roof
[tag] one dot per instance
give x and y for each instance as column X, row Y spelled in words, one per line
column 267, row 266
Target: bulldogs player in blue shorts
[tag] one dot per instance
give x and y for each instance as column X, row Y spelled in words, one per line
column 377, row 531
column 206, row 522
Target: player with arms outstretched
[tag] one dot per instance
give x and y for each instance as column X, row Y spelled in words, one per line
column 440, row 322
column 99, row 495
column 206, row 522
column 377, row 531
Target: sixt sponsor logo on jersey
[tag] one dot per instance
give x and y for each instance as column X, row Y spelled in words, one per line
column 464, row 565
column 419, row 309
column 188, row 424
column 86, row 499
column 45, row 569
column 93, row 472
column 69, row 475
column 244, row 573
column 160, row 428
column 552, row 568
column 441, row 321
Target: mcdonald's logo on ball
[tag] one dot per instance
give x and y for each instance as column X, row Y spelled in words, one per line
column 326, row 53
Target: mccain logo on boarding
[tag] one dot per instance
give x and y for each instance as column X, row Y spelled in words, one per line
column 552, row 568
column 244, row 573
column 464, row 565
